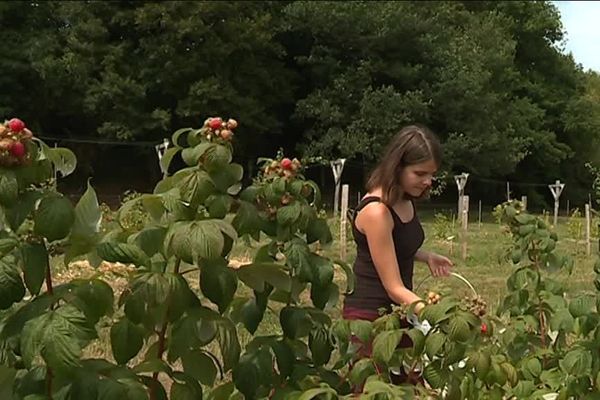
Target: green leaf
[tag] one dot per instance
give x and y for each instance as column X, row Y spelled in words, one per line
column 189, row 240
column 35, row 263
column 9, row 188
column 94, row 297
column 11, row 285
column 150, row 240
column 434, row 375
column 219, row 205
column 123, row 253
column 289, row 214
column 385, row 344
column 228, row 343
column 226, row 176
column 200, row 366
column 459, row 329
column 324, row 296
column 253, row 370
column 319, row 230
column 314, row 393
column 577, row 362
column 434, row 343
column 191, row 155
column 322, row 270
column 295, row 322
column 196, row 187
column 320, row 346
column 361, row 370
column 126, row 340
column 87, row 214
column 298, row 258
column 180, row 391
column 247, row 220
column 562, row 320
column 17, row 214
column 250, row 311
column 582, row 305
column 218, row 282
column 63, row 160
column 361, row 329
column 216, row 157
column 190, row 332
column 255, row 275
column 58, row 336
column 7, row 244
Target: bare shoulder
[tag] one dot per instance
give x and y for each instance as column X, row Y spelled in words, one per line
column 374, row 216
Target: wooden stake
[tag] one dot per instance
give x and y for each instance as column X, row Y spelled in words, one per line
column 588, row 226
column 343, row 222
column 465, row 223
column 556, row 190
column 524, row 201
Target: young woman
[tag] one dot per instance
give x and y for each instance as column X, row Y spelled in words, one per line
column 387, row 231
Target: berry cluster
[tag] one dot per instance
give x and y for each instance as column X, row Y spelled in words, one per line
column 216, row 128
column 14, row 137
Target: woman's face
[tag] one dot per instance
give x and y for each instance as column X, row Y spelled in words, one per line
column 417, row 178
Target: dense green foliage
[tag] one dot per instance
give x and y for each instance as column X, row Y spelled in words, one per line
column 338, row 78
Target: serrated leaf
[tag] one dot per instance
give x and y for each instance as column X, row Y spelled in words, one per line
column 216, row 157
column 54, row 217
column 9, row 188
column 94, row 297
column 123, row 253
column 226, row 175
column 191, row 155
column 255, row 275
column 434, row 342
column 319, row 230
column 150, row 240
column 295, row 322
column 218, row 282
column 126, row 340
column 17, row 214
column 385, row 344
column 12, row 289
column 576, row 362
column 87, row 214
column 582, row 305
column 35, row 263
column 200, row 366
column 434, row 375
column 63, row 160
column 289, row 214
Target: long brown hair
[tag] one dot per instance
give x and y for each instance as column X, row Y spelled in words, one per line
column 414, row 144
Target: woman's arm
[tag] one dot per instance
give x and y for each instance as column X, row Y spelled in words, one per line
column 376, row 222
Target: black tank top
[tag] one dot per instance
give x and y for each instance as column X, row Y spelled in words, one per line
column 369, row 293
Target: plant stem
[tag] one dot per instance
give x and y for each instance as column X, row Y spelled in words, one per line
column 49, row 377
column 161, row 341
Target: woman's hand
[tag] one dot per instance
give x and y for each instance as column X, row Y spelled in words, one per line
column 439, row 265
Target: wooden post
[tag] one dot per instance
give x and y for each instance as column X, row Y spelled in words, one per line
column 461, row 181
column 160, row 152
column 507, row 191
column 343, row 222
column 588, row 226
column 465, row 223
column 479, row 214
column 556, row 190
column 524, row 201
column 568, row 208
column 337, row 167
